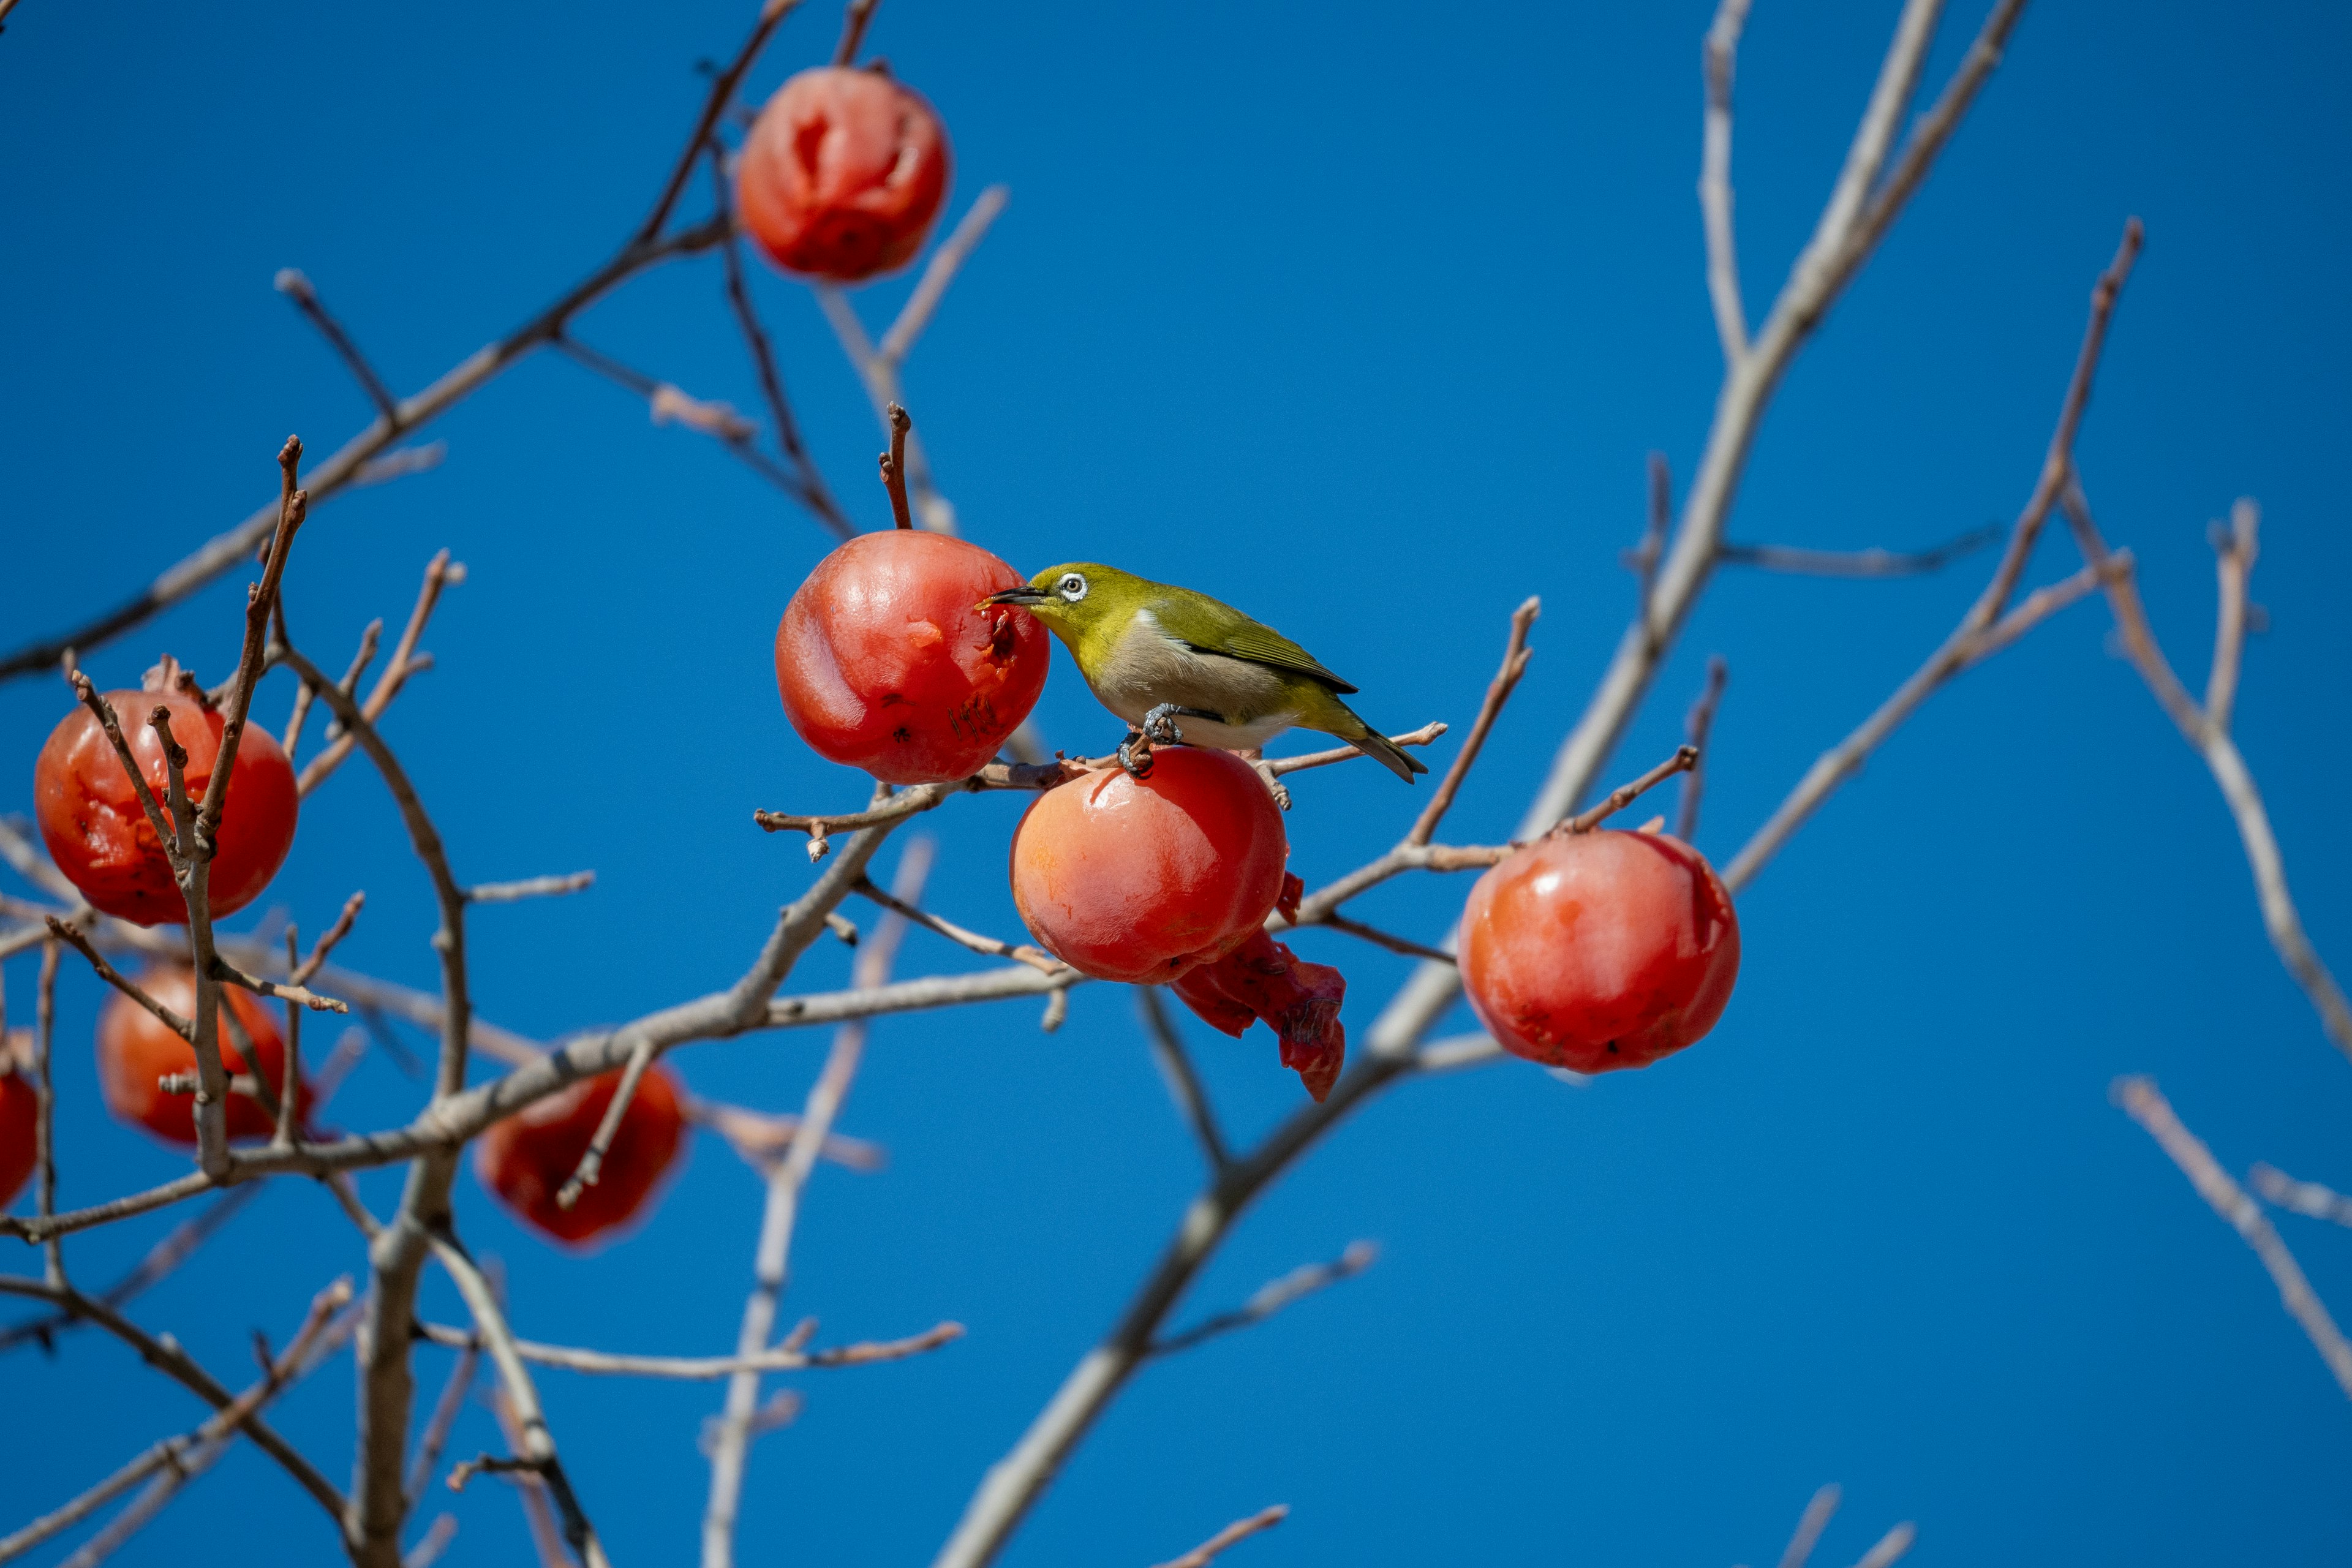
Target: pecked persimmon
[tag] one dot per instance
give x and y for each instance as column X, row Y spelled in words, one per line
column 99, row 835
column 1596, row 950
column 19, row 1104
column 1139, row 880
column 843, row 174
column 525, row 1159
column 887, row 659
column 136, row 1051
column 1262, row 980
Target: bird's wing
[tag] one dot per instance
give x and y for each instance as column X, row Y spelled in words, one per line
column 1202, row 623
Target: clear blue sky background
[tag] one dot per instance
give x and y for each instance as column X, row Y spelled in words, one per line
column 1364, row 319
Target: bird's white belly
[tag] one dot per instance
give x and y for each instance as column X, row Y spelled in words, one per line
column 1150, row 667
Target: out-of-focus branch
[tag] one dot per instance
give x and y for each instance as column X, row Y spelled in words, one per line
column 2308, row 1198
column 1241, row 1530
column 2209, row 737
column 731, row 1437
column 1720, row 59
column 706, row 1369
column 1891, row 1547
column 291, row 283
column 1698, row 725
column 1184, row 1085
column 1857, row 562
column 1980, row 629
column 2140, row 1100
column 1273, row 1297
column 1816, row 1518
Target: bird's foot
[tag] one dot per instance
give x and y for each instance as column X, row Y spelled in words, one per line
column 1159, row 724
column 1135, row 755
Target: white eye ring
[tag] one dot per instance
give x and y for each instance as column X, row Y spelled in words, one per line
column 1072, row 586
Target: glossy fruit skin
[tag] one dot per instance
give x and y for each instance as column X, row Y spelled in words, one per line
column 1262, row 980
column 100, row 836
column 843, row 174
column 135, row 1051
column 1140, row 880
column 1599, row 950
column 887, row 661
column 19, row 1106
column 525, row 1159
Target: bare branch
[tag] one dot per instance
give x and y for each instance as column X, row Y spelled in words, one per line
column 893, row 464
column 1395, row 944
column 760, row 1138
column 1042, row 962
column 1696, row 726
column 1809, row 1525
column 1684, row 758
column 2139, row 1099
column 1273, row 1296
column 731, row 1439
column 439, row 573
column 704, row 1369
column 114, row 978
column 1281, row 766
column 301, row 995
column 2308, row 1198
column 530, row 888
column 854, row 20
column 1721, row 54
column 1185, row 1086
column 939, row 272
column 1891, row 1547
column 291, row 283
column 1857, row 562
column 1516, row 654
column 1241, row 1530
column 2233, row 562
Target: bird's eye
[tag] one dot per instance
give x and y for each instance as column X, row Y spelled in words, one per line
column 1074, row 587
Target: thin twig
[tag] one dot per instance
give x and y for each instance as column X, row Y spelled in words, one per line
column 1891, row 1547
column 854, row 20
column 893, row 464
column 2139, row 1099
column 1857, row 562
column 1184, row 1085
column 291, row 283
column 1241, row 1530
column 1516, row 654
column 1818, row 1511
column 1696, row 726
column 1281, row 766
column 1273, row 1296
column 1720, row 57
column 923, row 300
column 2308, row 1198
column 994, row 947
column 706, row 1369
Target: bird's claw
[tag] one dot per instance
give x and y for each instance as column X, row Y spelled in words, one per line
column 1160, row 725
column 1135, row 755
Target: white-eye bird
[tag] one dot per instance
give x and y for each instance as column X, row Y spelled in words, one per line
column 1180, row 666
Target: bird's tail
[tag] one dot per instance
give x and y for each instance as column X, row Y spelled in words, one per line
column 1375, row 745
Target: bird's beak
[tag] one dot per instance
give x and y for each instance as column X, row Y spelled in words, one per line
column 1022, row 595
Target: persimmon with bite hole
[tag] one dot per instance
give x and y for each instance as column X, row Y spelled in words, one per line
column 136, row 1050
column 1599, row 950
column 887, row 659
column 19, row 1107
column 98, row 833
column 526, row 1158
column 1139, row 880
column 843, row 174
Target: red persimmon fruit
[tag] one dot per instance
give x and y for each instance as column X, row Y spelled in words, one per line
column 135, row 1050
column 1140, row 879
column 887, row 659
column 99, row 835
column 843, row 174
column 525, row 1159
column 1262, row 980
column 1597, row 950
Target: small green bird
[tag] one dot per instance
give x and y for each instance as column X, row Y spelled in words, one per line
column 1155, row 654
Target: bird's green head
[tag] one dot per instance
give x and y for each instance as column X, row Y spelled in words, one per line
column 1079, row 596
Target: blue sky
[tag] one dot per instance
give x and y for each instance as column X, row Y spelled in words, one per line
column 1364, row 319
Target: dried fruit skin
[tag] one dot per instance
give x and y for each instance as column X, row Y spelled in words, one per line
column 100, row 836
column 525, row 1159
column 887, row 661
column 135, row 1050
column 1140, row 880
column 1263, row 981
column 1599, row 950
column 18, row 1105
column 843, row 174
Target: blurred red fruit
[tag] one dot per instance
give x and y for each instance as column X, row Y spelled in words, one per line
column 99, row 835
column 1264, row 980
column 887, row 661
column 527, row 1158
column 18, row 1103
column 843, row 174
column 1138, row 880
column 135, row 1050
column 1596, row 950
